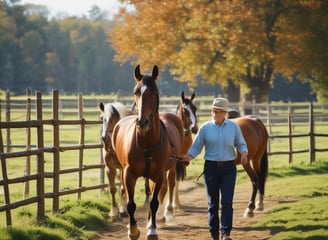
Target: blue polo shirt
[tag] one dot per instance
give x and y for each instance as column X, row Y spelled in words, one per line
column 220, row 141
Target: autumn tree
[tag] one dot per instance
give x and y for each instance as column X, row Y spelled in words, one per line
column 244, row 42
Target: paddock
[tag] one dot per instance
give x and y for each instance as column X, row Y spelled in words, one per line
column 39, row 135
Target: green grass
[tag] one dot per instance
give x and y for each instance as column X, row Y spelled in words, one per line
column 302, row 193
column 75, row 220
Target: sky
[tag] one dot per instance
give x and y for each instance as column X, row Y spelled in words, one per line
column 76, row 7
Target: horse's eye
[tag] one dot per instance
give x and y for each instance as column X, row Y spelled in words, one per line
column 101, row 118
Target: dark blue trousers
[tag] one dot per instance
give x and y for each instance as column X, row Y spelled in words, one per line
column 220, row 178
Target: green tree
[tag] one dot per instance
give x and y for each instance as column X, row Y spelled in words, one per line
column 7, row 38
column 96, row 14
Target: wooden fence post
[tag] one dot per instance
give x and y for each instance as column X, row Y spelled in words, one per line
column 5, row 181
column 40, row 161
column 27, row 171
column 269, row 113
column 311, row 134
column 82, row 133
column 8, row 119
column 56, row 157
column 102, row 170
column 253, row 105
column 290, row 136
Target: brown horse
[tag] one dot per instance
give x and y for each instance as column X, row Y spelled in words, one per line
column 110, row 114
column 145, row 145
column 186, row 111
column 256, row 137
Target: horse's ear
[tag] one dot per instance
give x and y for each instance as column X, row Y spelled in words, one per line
column 155, row 72
column 192, row 96
column 182, row 96
column 101, row 106
column 137, row 74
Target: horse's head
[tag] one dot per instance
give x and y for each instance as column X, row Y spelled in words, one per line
column 109, row 116
column 186, row 110
column 146, row 98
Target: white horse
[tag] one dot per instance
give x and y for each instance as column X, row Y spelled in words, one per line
column 111, row 113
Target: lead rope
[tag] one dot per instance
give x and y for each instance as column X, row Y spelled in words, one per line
column 200, row 176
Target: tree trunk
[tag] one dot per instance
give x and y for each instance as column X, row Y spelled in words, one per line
column 258, row 80
column 232, row 91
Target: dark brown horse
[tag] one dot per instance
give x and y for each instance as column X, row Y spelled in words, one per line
column 110, row 114
column 256, row 137
column 145, row 145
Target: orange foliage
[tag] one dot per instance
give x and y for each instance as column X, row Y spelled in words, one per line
column 216, row 40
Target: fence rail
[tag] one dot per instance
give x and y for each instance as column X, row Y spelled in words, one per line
column 56, row 109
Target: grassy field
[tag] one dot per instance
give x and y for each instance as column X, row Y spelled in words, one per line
column 301, row 190
column 301, row 186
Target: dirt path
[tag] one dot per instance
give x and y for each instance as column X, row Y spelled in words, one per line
column 191, row 218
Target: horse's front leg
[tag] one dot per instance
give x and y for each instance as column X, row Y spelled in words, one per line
column 123, row 199
column 249, row 212
column 260, row 204
column 111, row 174
column 130, row 183
column 154, row 204
column 161, row 198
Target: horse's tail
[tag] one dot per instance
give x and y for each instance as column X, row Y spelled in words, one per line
column 180, row 171
column 264, row 172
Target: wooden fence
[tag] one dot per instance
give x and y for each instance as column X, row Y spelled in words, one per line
column 267, row 112
column 39, row 150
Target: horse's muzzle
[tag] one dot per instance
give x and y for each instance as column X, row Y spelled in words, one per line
column 194, row 130
column 143, row 123
column 104, row 139
column 105, row 142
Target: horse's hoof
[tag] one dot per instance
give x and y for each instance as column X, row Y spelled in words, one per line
column 248, row 213
column 161, row 219
column 134, row 233
column 176, row 206
column 152, row 237
column 259, row 206
column 152, row 234
column 113, row 214
column 169, row 220
column 114, row 218
column 124, row 214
